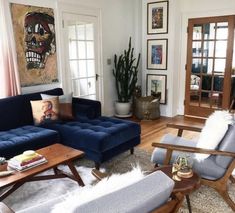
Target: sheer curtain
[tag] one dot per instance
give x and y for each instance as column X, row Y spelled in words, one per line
column 9, row 77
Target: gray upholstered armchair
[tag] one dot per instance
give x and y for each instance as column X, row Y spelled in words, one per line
column 215, row 171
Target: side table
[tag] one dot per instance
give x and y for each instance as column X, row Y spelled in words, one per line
column 185, row 186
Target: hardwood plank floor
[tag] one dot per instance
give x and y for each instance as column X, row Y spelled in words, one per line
column 153, row 131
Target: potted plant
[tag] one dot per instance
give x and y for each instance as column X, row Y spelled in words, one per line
column 125, row 72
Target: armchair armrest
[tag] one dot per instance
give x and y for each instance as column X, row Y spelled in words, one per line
column 182, row 127
column 5, row 209
column 86, row 108
column 170, row 148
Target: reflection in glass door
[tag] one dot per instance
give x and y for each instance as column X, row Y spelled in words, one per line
column 208, row 83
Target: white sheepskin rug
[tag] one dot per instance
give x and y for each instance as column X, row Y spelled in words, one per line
column 105, row 186
column 213, row 132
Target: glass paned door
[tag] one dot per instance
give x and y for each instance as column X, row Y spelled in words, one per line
column 83, row 55
column 208, row 78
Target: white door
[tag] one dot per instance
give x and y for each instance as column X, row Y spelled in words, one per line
column 82, row 44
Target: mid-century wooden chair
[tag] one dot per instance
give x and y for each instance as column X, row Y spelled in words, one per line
column 172, row 206
column 215, row 171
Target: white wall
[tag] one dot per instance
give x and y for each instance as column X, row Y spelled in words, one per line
column 172, row 75
column 120, row 19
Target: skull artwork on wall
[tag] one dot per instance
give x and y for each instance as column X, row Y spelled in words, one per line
column 39, row 39
column 35, row 39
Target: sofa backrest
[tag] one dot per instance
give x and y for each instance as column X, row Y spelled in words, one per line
column 16, row 111
column 227, row 144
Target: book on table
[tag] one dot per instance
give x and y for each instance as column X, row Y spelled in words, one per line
column 26, row 161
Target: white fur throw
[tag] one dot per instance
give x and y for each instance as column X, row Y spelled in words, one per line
column 213, row 132
column 105, row 186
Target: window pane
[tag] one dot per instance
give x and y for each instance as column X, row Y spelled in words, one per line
column 83, row 87
column 220, row 49
column 74, row 69
column 82, row 68
column 89, row 32
column 72, row 50
column 222, row 30
column 220, row 65
column 91, row 86
column 196, row 65
column 208, row 49
column 81, row 32
column 72, row 32
column 90, row 49
column 91, row 67
column 75, row 87
column 207, row 65
column 206, row 82
column 209, row 31
column 81, row 50
column 197, row 49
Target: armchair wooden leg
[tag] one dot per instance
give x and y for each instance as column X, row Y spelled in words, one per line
column 232, row 179
column 227, row 198
column 132, row 151
column 97, row 166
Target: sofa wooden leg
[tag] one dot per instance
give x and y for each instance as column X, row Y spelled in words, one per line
column 132, row 151
column 97, row 166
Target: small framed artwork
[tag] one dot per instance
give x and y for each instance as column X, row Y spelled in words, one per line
column 155, row 84
column 157, row 17
column 157, row 54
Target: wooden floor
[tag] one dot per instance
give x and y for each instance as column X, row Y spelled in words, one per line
column 153, row 131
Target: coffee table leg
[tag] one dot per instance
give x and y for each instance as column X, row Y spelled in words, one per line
column 75, row 173
column 188, row 203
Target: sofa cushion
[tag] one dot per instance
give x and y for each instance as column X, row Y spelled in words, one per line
column 15, row 141
column 207, row 169
column 45, row 110
column 99, row 134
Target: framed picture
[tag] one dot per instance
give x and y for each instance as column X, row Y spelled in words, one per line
column 157, row 54
column 155, row 84
column 157, row 17
column 35, row 39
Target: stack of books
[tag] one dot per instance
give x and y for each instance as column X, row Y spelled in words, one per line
column 27, row 160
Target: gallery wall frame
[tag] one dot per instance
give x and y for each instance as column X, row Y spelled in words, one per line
column 157, row 83
column 157, row 17
column 157, row 54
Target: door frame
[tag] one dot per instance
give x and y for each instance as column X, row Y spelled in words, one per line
column 76, row 9
column 193, row 110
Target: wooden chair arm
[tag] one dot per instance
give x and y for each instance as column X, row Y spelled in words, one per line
column 5, row 209
column 182, row 127
column 193, row 149
column 98, row 174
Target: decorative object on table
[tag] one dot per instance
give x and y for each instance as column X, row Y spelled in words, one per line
column 157, row 54
column 6, row 173
column 182, row 167
column 157, row 17
column 3, row 164
column 156, row 84
column 125, row 72
column 147, row 108
column 27, row 160
column 34, row 31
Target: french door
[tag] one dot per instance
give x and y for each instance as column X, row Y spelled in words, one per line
column 209, row 76
column 81, row 38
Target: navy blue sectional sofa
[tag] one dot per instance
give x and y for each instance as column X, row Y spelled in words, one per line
column 101, row 138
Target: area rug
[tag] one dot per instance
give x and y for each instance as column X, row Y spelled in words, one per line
column 204, row 200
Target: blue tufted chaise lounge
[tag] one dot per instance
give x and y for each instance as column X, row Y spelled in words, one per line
column 101, row 138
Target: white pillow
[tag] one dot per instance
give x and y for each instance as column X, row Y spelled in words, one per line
column 213, row 132
column 62, row 98
column 105, row 186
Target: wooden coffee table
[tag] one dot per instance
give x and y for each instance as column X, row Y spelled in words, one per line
column 185, row 186
column 55, row 154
